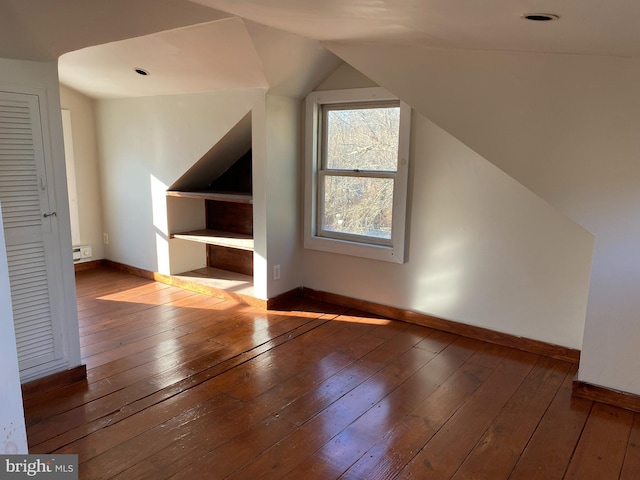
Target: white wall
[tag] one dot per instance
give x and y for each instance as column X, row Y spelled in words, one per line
column 483, row 250
column 260, row 194
column 146, row 144
column 566, row 126
column 43, row 76
column 12, row 425
column 282, row 177
column 87, row 168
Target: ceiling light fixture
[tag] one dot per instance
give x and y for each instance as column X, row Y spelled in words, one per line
column 540, row 17
column 141, row 71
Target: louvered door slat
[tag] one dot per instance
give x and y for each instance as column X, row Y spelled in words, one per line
column 24, row 302
column 26, row 299
column 24, row 199
column 17, row 116
column 15, row 132
column 20, row 195
column 14, row 165
column 30, row 299
column 33, row 318
column 33, row 329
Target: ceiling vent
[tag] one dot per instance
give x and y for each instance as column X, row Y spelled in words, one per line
column 540, row 17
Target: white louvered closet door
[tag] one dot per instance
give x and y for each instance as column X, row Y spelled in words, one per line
column 28, row 232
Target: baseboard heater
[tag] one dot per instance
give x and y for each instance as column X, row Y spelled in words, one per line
column 81, row 253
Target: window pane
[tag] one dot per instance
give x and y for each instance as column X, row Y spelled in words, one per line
column 358, row 205
column 362, row 138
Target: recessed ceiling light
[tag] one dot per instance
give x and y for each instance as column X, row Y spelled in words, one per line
column 141, row 71
column 540, row 17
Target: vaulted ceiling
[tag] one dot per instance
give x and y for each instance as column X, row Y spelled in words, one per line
column 202, row 45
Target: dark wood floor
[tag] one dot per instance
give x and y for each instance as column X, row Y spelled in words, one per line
column 181, row 385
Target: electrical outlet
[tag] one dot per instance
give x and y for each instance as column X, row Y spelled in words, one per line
column 105, row 238
column 276, row 272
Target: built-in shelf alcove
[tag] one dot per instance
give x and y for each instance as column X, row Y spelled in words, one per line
column 212, row 205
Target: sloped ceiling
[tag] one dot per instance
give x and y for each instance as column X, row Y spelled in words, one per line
column 293, row 65
column 45, row 29
column 587, row 27
column 200, row 45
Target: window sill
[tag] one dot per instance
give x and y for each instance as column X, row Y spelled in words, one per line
column 355, row 249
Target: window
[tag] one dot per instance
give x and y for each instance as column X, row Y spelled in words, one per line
column 357, row 152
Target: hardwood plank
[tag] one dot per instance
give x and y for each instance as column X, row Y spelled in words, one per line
column 226, row 459
column 173, row 458
column 497, row 451
column 219, row 463
column 166, row 355
column 137, row 400
column 550, row 448
column 290, row 451
column 188, row 385
column 333, row 389
column 95, row 310
column 437, row 341
column 96, row 359
column 631, row 465
column 272, row 370
column 108, row 379
column 123, row 335
column 111, row 435
column 104, row 281
column 220, row 383
column 157, row 320
column 490, row 355
column 129, row 452
column 392, row 452
column 337, row 455
column 600, row 453
column 94, row 415
column 445, row 452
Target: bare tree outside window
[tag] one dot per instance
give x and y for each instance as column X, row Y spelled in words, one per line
column 359, row 163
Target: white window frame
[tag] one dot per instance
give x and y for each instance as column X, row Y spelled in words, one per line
column 335, row 242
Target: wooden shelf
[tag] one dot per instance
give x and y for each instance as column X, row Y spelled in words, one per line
column 219, row 238
column 219, row 196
